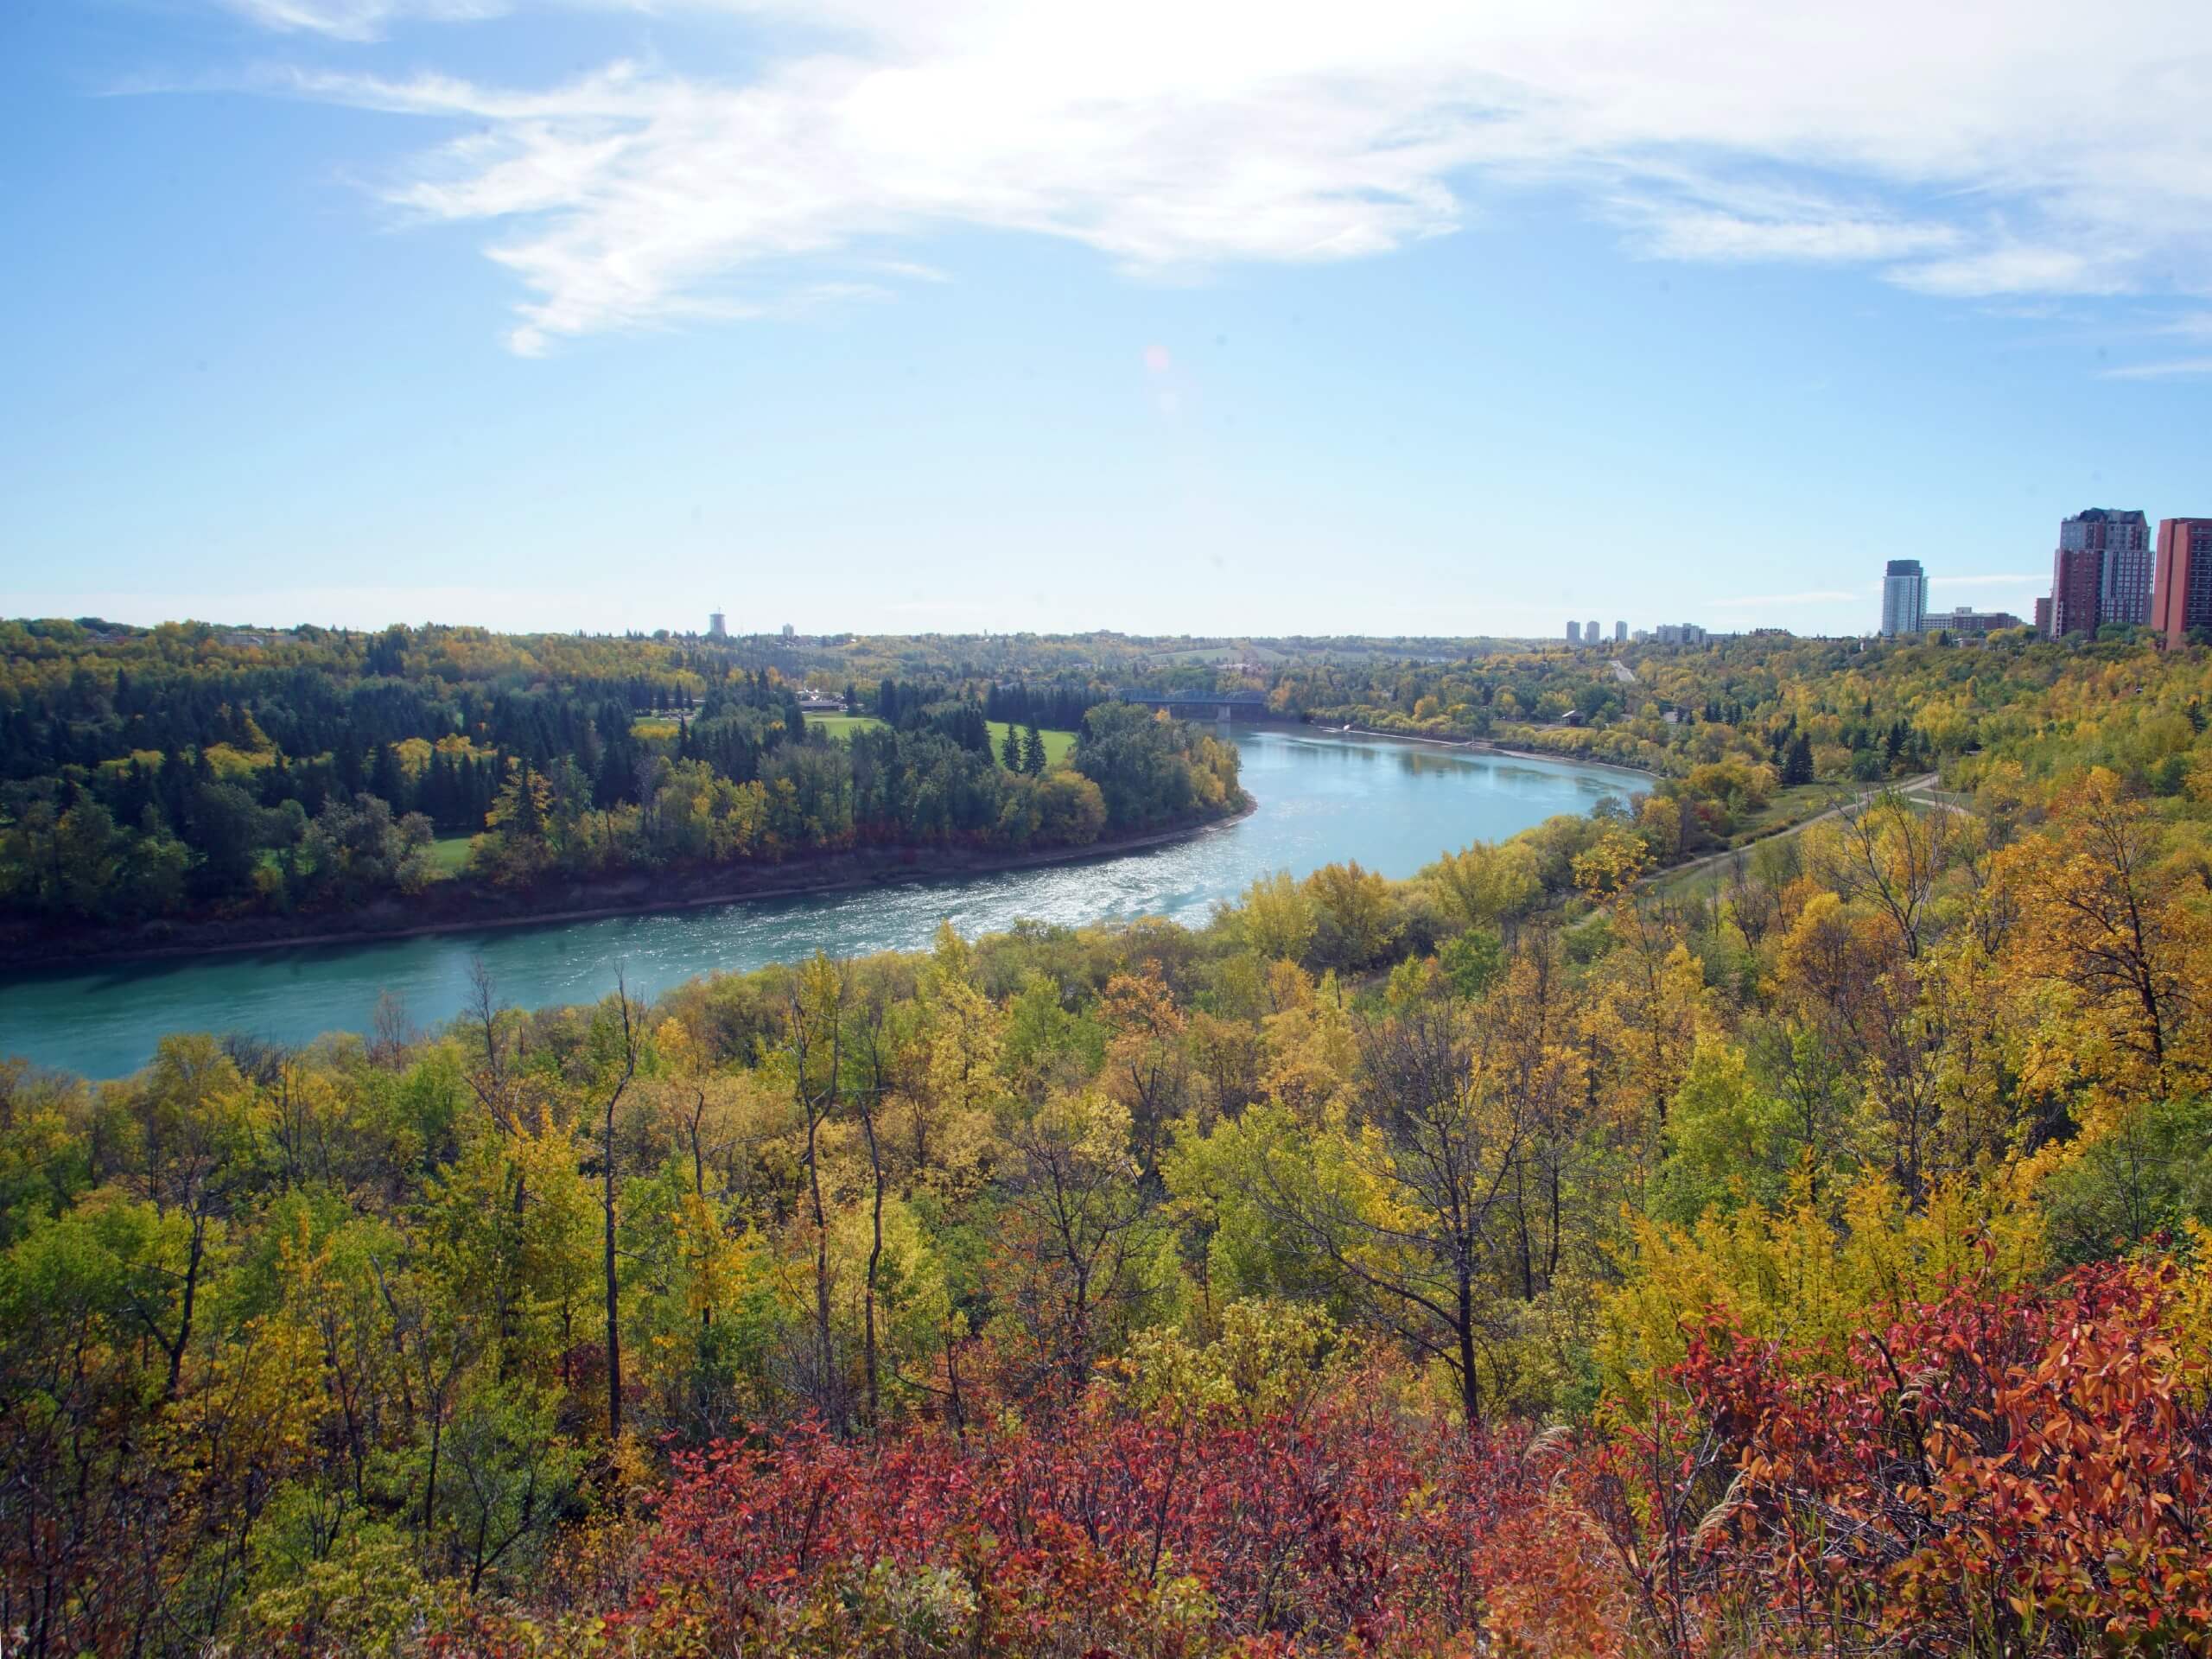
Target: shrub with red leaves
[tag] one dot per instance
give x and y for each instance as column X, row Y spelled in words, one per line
column 2022, row 1472
column 1119, row 1532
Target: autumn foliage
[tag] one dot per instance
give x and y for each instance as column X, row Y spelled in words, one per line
column 1991, row 1473
column 1346, row 1523
column 2020, row 1472
column 1547, row 1254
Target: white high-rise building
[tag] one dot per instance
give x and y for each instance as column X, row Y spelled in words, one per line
column 1904, row 599
column 1620, row 633
column 1573, row 634
column 1590, row 634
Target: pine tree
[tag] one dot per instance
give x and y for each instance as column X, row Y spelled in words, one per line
column 387, row 779
column 1010, row 754
column 1797, row 762
column 1033, row 751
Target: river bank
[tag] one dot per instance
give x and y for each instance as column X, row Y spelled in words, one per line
column 634, row 893
column 1487, row 746
column 1392, row 806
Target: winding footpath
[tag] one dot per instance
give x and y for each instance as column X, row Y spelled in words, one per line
column 1918, row 786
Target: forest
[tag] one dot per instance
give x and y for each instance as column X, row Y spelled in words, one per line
column 189, row 771
column 1547, row 1254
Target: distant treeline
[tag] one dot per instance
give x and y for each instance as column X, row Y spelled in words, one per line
column 1052, row 708
column 183, row 771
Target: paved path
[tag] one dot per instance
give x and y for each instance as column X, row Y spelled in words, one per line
column 1623, row 672
column 1918, row 785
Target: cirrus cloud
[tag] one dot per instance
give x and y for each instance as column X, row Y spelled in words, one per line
column 1176, row 137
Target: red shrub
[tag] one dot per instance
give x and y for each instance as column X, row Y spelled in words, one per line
column 1115, row 1532
column 2017, row 1473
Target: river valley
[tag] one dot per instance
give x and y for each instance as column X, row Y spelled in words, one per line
column 1392, row 805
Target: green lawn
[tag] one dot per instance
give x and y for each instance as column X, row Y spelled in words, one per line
column 1056, row 744
column 447, row 854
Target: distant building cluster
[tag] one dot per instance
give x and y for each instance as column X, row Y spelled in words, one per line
column 1904, row 607
column 1592, row 633
column 1966, row 621
column 2109, row 569
column 718, row 629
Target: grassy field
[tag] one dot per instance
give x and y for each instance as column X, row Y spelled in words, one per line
column 1056, row 744
column 447, row 854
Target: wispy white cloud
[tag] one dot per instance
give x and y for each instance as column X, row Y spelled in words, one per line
column 1173, row 136
column 2169, row 369
column 1704, row 234
column 360, row 20
column 2019, row 269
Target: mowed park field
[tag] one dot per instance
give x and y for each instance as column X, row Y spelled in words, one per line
column 1056, row 744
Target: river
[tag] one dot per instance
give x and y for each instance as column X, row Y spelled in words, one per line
column 1394, row 806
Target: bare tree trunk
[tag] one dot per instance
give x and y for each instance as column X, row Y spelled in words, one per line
column 191, row 1291
column 699, row 1187
column 1470, row 1403
column 824, row 1358
column 606, row 1174
column 874, row 1257
column 818, row 1101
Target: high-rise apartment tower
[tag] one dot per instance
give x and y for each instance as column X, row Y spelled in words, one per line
column 1904, row 598
column 2102, row 571
column 2181, row 601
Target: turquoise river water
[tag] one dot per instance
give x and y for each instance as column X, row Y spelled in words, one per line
column 1393, row 806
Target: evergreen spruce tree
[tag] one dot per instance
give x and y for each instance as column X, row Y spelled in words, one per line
column 387, row 779
column 1033, row 751
column 1798, row 763
column 1010, row 754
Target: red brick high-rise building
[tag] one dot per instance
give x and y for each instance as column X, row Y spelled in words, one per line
column 2101, row 572
column 2076, row 574
column 2181, row 588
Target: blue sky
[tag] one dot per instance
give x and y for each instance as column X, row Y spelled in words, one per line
column 1168, row 317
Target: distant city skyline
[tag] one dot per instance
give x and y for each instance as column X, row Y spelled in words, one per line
column 1202, row 318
